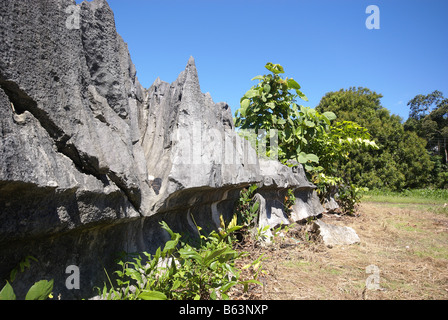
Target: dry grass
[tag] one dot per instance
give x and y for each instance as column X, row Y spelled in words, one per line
column 408, row 245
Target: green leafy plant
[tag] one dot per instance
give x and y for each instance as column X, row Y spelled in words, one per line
column 335, row 147
column 257, row 268
column 262, row 233
column 271, row 104
column 349, row 197
column 290, row 200
column 247, row 207
column 41, row 290
column 314, row 139
column 181, row 271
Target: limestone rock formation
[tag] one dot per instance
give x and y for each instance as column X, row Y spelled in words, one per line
column 333, row 235
column 91, row 162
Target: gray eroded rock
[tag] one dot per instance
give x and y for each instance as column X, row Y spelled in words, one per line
column 329, row 203
column 277, row 179
column 91, row 161
column 335, row 235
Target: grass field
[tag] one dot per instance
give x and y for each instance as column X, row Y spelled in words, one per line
column 403, row 237
column 418, row 196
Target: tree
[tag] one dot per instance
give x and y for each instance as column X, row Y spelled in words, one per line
column 421, row 105
column 428, row 118
column 314, row 139
column 271, row 105
column 401, row 160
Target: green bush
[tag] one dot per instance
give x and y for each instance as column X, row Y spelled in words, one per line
column 183, row 272
column 317, row 139
column 246, row 208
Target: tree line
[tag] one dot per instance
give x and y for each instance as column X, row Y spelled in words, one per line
column 411, row 154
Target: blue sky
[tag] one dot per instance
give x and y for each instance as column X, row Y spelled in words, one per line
column 323, row 45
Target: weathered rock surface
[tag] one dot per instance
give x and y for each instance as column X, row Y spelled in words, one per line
column 335, row 235
column 91, row 162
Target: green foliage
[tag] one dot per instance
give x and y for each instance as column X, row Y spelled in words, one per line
column 246, row 209
column 423, row 105
column 41, row 290
column 335, row 147
column 262, row 233
column 290, row 200
column 393, row 164
column 7, row 292
column 246, row 212
column 428, row 118
column 349, row 197
column 439, row 173
column 305, row 135
column 181, row 271
column 271, row 104
column 22, row 266
column 308, row 136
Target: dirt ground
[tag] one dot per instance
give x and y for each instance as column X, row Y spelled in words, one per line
column 403, row 255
